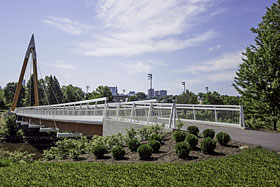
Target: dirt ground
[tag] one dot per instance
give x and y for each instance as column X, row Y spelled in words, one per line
column 167, row 153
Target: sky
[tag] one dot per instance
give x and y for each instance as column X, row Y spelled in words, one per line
column 119, row 42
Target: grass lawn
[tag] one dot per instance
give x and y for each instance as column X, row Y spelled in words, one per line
column 253, row 167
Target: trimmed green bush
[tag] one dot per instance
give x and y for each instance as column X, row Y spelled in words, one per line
column 208, row 133
column 179, row 136
column 145, row 151
column 193, row 130
column 99, row 151
column 118, row 152
column 192, row 140
column 223, row 138
column 133, row 144
column 155, row 145
column 182, row 149
column 208, row 145
column 156, row 137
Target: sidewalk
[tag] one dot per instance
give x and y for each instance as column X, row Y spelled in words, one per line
column 268, row 140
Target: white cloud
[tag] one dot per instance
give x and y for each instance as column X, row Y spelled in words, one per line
column 214, row 48
column 137, row 67
column 141, row 67
column 222, row 77
column 67, row 25
column 224, row 62
column 142, row 26
column 63, row 65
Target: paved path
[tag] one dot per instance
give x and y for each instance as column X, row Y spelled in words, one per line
column 268, row 140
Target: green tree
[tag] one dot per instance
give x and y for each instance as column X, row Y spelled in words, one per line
column 29, row 92
column 102, row 91
column 258, row 77
column 212, row 98
column 72, row 93
column 140, row 95
column 9, row 92
column 2, row 99
column 54, row 92
column 187, row 97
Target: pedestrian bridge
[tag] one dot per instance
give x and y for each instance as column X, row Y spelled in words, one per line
column 98, row 117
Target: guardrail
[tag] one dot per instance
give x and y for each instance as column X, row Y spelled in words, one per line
column 144, row 112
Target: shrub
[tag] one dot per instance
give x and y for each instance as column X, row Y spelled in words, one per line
column 179, row 124
column 133, row 144
column 145, row 151
column 118, row 152
column 192, row 140
column 223, row 138
column 179, row 136
column 146, row 131
column 131, row 133
column 155, row 145
column 193, row 130
column 99, row 151
column 208, row 133
column 156, row 137
column 182, row 149
column 208, row 145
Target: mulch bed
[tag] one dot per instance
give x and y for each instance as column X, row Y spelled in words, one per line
column 167, row 153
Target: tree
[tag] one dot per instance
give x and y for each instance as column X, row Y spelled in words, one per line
column 140, row 95
column 212, row 98
column 72, row 93
column 258, row 77
column 54, row 92
column 2, row 102
column 187, row 97
column 9, row 92
column 29, row 92
column 102, row 91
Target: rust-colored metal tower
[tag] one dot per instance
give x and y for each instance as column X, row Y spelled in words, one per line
column 31, row 49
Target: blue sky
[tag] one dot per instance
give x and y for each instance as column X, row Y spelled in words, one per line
column 118, row 42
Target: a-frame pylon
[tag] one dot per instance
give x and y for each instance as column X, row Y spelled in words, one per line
column 31, row 49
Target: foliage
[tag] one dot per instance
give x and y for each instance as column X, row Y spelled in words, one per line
column 223, row 138
column 208, row 133
column 156, row 137
column 140, row 95
column 179, row 124
column 145, row 151
column 72, row 93
column 29, row 99
column 179, row 136
column 66, row 148
column 15, row 157
column 130, row 133
column 253, row 167
column 258, row 77
column 187, row 97
column 118, row 152
column 102, row 91
column 182, row 149
column 54, row 92
column 147, row 131
column 9, row 92
column 155, row 145
column 133, row 144
column 2, row 99
column 193, row 130
column 10, row 130
column 192, row 140
column 99, row 151
column 208, row 145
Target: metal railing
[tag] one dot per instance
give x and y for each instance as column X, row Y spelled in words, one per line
column 144, row 112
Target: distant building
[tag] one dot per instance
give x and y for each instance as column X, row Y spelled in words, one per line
column 131, row 93
column 160, row 93
column 23, row 82
column 151, row 93
column 114, row 90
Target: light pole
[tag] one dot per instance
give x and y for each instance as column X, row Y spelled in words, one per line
column 206, row 89
column 150, row 78
column 184, row 84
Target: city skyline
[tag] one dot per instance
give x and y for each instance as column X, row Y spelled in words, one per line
column 105, row 42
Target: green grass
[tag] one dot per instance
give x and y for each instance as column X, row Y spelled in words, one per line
column 253, row 167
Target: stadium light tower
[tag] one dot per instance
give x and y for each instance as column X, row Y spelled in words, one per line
column 184, row 84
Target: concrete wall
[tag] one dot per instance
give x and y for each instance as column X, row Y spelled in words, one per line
column 113, row 127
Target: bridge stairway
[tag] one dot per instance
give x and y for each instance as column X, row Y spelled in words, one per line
column 68, row 135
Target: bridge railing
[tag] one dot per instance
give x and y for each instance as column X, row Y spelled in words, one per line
column 145, row 112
